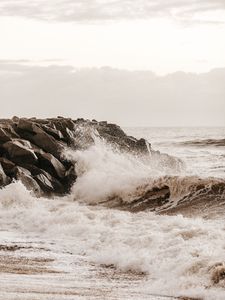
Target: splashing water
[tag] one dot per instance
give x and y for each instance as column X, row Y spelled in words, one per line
column 176, row 255
column 104, row 172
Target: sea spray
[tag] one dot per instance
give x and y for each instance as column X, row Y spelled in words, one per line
column 176, row 254
column 105, row 172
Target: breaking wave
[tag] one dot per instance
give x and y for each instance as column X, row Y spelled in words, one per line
column 104, row 172
column 157, row 182
column 204, row 143
column 178, row 255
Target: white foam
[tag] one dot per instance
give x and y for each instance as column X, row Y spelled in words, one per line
column 176, row 253
column 104, row 172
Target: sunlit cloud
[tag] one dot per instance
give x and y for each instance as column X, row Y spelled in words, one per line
column 100, row 10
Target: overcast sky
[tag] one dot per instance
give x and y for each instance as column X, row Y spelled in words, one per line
column 54, row 53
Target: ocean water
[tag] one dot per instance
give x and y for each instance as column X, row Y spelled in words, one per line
column 77, row 247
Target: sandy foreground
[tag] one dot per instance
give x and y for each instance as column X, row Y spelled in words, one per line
column 35, row 269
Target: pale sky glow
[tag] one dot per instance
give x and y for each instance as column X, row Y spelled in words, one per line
column 159, row 45
column 159, row 37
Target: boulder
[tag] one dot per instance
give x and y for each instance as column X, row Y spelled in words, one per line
column 114, row 135
column 7, row 133
column 49, row 163
column 48, row 183
column 20, row 151
column 7, row 165
column 110, row 129
column 53, row 132
column 4, row 136
column 70, row 178
column 31, row 150
column 66, row 127
column 4, row 180
column 35, row 134
column 26, row 178
column 143, row 146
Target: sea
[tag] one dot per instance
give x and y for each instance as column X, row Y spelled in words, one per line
column 79, row 247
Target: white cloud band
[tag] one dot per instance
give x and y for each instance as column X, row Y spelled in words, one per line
column 95, row 10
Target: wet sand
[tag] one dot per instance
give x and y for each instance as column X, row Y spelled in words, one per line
column 31, row 269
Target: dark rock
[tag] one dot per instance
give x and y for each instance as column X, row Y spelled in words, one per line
column 31, row 150
column 15, row 119
column 20, row 151
column 25, row 177
column 51, row 164
column 70, row 178
column 53, row 132
column 4, row 180
column 4, row 136
column 66, row 127
column 49, row 184
column 39, row 137
column 7, row 165
column 103, row 123
column 143, row 145
column 7, row 133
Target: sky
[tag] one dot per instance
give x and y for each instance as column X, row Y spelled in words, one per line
column 133, row 62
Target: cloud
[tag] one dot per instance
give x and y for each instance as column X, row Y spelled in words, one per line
column 95, row 10
column 133, row 98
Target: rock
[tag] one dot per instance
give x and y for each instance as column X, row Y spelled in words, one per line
column 103, row 123
column 4, row 180
column 7, row 133
column 15, row 119
column 53, row 132
column 26, row 178
column 66, row 127
column 143, row 145
column 51, row 164
column 111, row 129
column 218, row 273
column 28, row 125
column 7, row 165
column 4, row 136
column 39, row 137
column 70, row 178
column 20, row 151
column 114, row 135
column 48, row 183
column 31, row 150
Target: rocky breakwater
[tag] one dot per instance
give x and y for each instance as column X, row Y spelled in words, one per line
column 31, row 150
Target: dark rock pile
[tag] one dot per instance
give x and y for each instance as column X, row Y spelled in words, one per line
column 31, row 150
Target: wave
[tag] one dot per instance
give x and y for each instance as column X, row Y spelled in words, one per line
column 177, row 255
column 204, row 143
column 104, row 172
column 136, row 183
